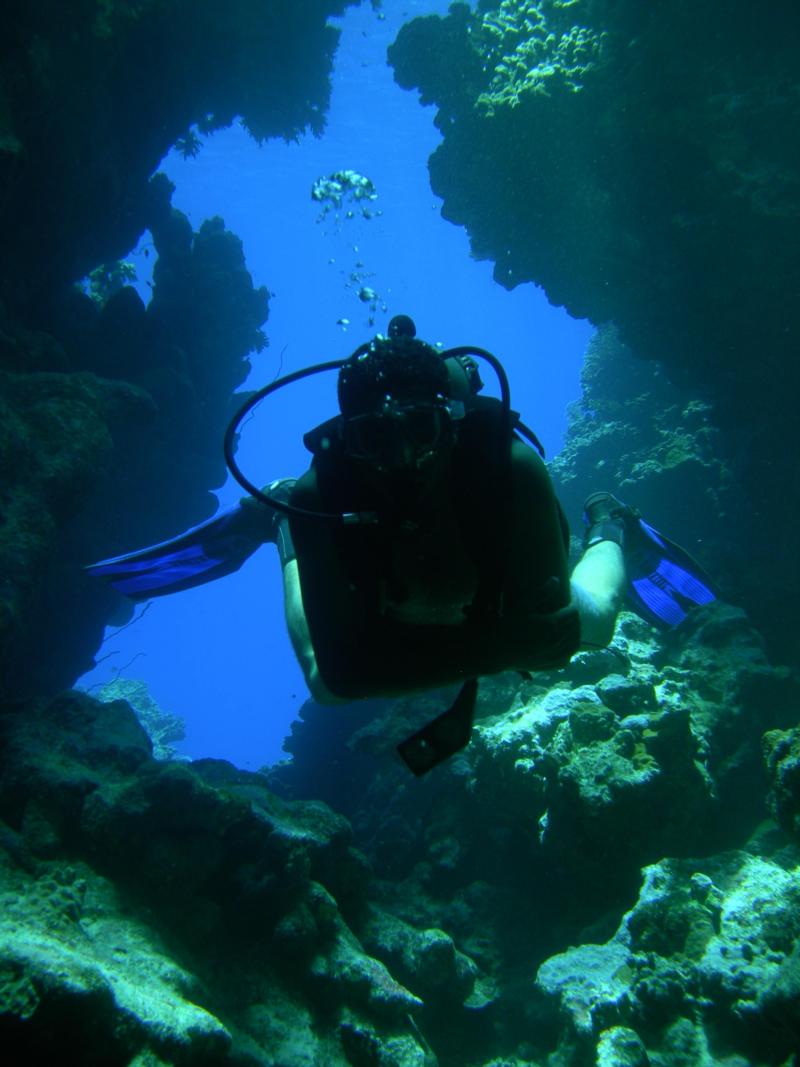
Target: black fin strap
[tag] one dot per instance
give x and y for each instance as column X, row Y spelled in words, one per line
column 444, row 735
column 487, row 604
column 608, row 530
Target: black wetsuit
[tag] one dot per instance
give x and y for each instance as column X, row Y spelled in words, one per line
column 468, row 581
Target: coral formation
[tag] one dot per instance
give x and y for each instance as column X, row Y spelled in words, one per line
column 782, row 757
column 706, row 941
column 621, row 134
column 638, row 162
column 161, row 726
column 179, row 912
column 92, row 99
column 92, row 409
column 535, row 839
column 95, row 391
column 636, row 433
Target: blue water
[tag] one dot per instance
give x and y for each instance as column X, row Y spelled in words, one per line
column 219, row 656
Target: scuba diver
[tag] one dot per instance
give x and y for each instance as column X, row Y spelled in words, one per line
column 424, row 545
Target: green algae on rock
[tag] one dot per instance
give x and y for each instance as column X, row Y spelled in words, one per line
column 702, row 954
column 635, row 145
column 151, row 909
column 540, row 49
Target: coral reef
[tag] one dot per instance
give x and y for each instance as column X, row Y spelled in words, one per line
column 632, row 431
column 702, row 969
column 782, row 757
column 628, row 175
column 62, row 432
column 92, row 99
column 96, row 390
column 638, row 162
column 182, row 913
column 161, row 726
column 535, row 838
column 609, row 873
column 493, row 913
column 92, row 408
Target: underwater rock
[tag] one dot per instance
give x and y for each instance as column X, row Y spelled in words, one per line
column 427, row 960
column 584, row 774
column 679, row 773
column 161, row 726
column 647, row 180
column 60, row 435
column 161, row 384
column 782, row 758
column 178, row 911
column 641, row 152
column 626, row 696
column 346, row 972
column 705, row 954
column 636, row 434
column 72, row 962
column 619, row 1046
column 534, row 837
column 85, row 122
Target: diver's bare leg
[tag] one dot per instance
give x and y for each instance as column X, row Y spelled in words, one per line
column 300, row 636
column 597, row 585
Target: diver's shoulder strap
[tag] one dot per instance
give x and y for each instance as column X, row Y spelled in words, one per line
column 485, row 444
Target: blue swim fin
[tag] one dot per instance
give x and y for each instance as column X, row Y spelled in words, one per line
column 664, row 582
column 208, row 551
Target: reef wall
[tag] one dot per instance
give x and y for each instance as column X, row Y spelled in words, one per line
column 662, row 452
column 93, row 96
column 640, row 162
column 111, row 412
